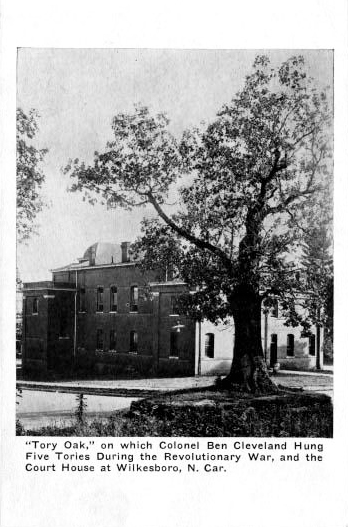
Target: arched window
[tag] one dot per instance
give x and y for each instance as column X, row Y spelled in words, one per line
column 113, row 298
column 133, row 342
column 274, row 349
column 274, row 309
column 100, row 299
column 312, row 345
column 209, row 345
column 174, row 344
column 290, row 345
column 134, row 298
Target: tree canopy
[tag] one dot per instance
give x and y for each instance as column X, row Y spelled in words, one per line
column 29, row 174
column 245, row 185
column 248, row 182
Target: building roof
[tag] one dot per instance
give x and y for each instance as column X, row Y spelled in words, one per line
column 97, row 254
column 104, row 253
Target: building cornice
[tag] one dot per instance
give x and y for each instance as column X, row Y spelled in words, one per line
column 164, row 284
column 25, row 290
column 89, row 267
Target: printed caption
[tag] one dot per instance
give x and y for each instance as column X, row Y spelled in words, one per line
column 165, row 456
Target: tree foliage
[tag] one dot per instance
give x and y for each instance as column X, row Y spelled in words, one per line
column 29, row 174
column 317, row 264
column 246, row 185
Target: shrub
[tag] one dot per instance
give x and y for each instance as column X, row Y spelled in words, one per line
column 211, row 414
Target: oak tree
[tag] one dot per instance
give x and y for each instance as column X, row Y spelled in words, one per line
column 243, row 184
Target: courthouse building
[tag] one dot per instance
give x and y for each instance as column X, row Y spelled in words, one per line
column 105, row 315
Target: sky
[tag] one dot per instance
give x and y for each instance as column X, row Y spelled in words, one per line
column 78, row 91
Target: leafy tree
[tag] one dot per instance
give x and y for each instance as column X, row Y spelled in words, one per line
column 247, row 180
column 318, row 266
column 29, row 181
column 29, row 174
column 317, row 262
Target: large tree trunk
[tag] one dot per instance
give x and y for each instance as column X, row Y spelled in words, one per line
column 248, row 370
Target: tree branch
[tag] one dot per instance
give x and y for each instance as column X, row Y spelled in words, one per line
column 290, row 199
column 200, row 244
column 274, row 170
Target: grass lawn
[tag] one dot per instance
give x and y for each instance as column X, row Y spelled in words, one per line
column 212, row 413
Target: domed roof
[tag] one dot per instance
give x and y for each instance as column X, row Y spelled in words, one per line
column 103, row 253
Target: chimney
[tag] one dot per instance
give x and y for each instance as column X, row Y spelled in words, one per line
column 125, row 251
column 92, row 255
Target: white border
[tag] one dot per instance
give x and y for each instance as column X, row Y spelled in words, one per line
column 312, row 496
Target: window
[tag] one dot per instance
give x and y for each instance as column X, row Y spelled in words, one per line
column 134, row 297
column 133, row 344
column 35, row 306
column 64, row 321
column 209, row 345
column 290, row 345
column 112, row 340
column 274, row 309
column 174, row 344
column 113, row 298
column 312, row 345
column 273, row 349
column 174, row 305
column 100, row 303
column 100, row 343
column 83, row 300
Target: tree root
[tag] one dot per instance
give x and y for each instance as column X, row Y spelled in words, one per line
column 249, row 378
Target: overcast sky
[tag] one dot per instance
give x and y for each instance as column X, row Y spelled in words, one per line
column 77, row 92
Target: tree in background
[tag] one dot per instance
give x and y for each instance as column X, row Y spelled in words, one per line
column 29, row 203
column 243, row 185
column 29, row 174
column 317, row 262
